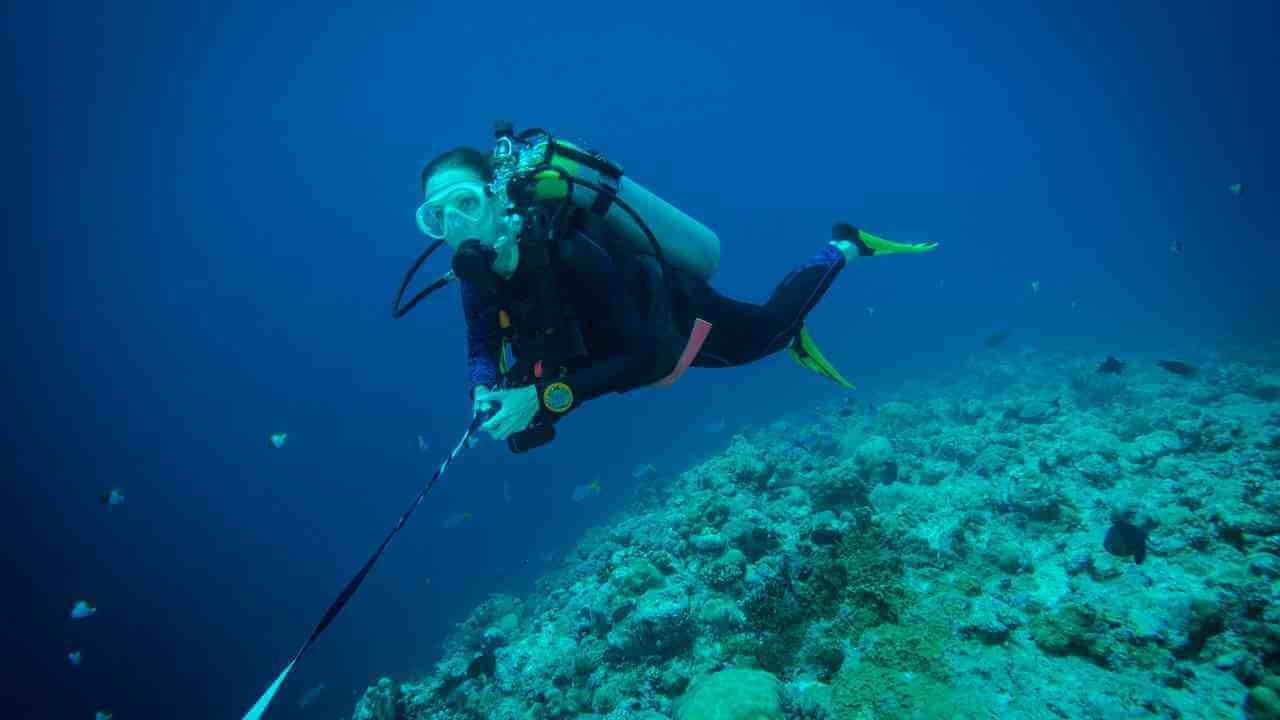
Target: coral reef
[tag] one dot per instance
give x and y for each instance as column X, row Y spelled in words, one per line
column 939, row 557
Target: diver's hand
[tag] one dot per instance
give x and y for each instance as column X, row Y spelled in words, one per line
column 477, row 406
column 516, row 409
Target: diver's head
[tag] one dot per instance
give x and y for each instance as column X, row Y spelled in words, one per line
column 460, row 208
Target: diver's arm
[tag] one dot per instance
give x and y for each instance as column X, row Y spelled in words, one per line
column 635, row 296
column 484, row 339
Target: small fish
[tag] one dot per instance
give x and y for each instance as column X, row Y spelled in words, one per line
column 582, row 492
column 1175, row 247
column 102, row 715
column 112, row 498
column 310, row 696
column 997, row 339
column 74, row 656
column 1178, row 368
column 423, row 445
column 639, row 472
column 1075, row 305
column 1236, row 188
column 455, row 520
column 1110, row 366
column 1126, row 540
column 1035, row 286
column 82, row 610
column 715, row 426
column 278, row 439
column 506, row 492
column 871, row 312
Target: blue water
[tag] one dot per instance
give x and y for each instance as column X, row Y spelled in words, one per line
column 210, row 206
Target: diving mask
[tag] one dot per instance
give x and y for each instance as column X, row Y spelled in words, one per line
column 461, row 205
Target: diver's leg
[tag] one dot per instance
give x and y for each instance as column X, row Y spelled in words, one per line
column 744, row 332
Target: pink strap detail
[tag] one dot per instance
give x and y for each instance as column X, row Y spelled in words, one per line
column 696, row 338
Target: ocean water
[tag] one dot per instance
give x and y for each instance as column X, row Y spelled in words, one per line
column 211, row 207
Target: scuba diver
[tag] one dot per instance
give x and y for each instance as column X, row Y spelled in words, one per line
column 576, row 281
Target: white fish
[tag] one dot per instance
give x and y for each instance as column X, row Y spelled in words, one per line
column 82, row 610
column 641, row 471
column 278, row 439
column 423, row 445
column 102, row 715
column 1236, row 188
column 74, row 657
column 1035, row 286
column 310, row 696
column 112, row 498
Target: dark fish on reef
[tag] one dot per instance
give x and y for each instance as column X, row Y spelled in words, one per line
column 846, row 409
column 1110, row 366
column 1126, row 540
column 1178, row 368
column 997, row 339
column 486, row 664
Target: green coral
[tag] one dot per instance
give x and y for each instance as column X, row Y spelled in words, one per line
column 901, row 673
column 778, row 650
column 1075, row 629
column 914, row 648
column 865, row 571
column 866, row 690
column 725, row 571
column 732, row 695
column 840, row 486
column 1263, row 701
column 380, row 702
column 636, row 578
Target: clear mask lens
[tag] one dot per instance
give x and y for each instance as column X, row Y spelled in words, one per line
column 458, row 206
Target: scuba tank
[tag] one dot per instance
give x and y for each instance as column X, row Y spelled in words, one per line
column 535, row 167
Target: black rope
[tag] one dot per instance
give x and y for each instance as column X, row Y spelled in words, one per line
column 354, row 583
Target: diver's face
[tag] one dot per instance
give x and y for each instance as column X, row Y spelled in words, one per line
column 488, row 226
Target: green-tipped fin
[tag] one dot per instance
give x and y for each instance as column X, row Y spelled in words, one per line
column 805, row 352
column 869, row 244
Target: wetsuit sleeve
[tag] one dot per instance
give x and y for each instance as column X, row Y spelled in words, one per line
column 484, row 338
column 632, row 292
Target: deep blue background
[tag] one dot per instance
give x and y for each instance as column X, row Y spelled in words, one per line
column 210, row 206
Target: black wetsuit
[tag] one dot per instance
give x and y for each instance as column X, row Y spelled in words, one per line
column 634, row 319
